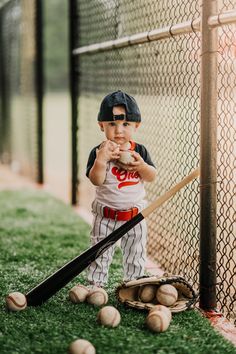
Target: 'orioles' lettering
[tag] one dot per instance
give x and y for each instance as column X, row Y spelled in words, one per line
column 123, row 175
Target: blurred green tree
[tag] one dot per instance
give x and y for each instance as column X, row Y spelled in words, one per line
column 56, row 45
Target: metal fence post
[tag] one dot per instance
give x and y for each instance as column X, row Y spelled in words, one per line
column 39, row 77
column 5, row 146
column 208, row 147
column 73, row 30
column 2, row 91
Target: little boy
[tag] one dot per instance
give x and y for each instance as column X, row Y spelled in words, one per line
column 119, row 188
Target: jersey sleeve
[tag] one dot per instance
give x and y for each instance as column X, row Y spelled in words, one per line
column 144, row 154
column 91, row 159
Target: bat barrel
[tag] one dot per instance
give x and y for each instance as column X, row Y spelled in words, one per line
column 48, row 287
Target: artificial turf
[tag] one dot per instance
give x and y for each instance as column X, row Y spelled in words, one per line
column 38, row 234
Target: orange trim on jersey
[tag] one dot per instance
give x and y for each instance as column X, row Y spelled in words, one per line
column 132, row 145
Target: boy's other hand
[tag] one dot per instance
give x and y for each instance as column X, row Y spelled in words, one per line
column 108, row 150
column 137, row 165
column 145, row 171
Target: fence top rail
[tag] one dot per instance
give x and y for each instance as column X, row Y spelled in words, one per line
column 190, row 26
column 227, row 17
column 143, row 37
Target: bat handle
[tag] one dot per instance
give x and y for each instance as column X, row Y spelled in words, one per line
column 171, row 192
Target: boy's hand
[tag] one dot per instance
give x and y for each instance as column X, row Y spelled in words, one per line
column 145, row 171
column 137, row 165
column 108, row 150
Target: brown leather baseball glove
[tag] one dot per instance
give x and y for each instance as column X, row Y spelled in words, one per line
column 128, row 292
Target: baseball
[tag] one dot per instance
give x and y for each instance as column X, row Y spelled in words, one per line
column 157, row 321
column 97, row 296
column 162, row 308
column 147, row 293
column 167, row 295
column 16, row 301
column 126, row 157
column 78, row 293
column 81, row 346
column 109, row 316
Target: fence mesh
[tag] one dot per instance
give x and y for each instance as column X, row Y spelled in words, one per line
column 18, row 117
column 164, row 77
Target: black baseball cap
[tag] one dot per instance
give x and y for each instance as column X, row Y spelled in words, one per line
column 119, row 98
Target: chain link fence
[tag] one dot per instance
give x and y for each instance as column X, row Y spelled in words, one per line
column 164, row 77
column 18, row 116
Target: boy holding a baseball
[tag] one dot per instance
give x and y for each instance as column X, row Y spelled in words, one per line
column 118, row 167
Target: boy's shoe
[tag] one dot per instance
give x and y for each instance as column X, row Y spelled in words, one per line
column 94, row 286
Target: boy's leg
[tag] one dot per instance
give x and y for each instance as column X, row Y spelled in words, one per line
column 133, row 246
column 98, row 270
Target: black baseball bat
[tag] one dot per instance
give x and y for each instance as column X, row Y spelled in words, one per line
column 52, row 284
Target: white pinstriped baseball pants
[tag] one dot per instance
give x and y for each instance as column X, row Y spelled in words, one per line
column 133, row 247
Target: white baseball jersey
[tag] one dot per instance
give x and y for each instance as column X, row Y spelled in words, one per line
column 121, row 189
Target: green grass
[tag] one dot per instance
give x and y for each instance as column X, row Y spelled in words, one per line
column 38, row 234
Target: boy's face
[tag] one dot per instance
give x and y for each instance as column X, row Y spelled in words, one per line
column 119, row 131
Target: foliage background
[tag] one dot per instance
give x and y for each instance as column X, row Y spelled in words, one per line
column 56, row 45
